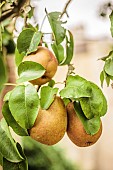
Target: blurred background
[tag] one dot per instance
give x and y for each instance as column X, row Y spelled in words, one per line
column 93, row 40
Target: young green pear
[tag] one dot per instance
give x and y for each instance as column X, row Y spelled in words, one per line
column 50, row 125
column 76, row 131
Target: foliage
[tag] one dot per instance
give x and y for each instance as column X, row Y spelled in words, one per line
column 42, row 157
column 21, row 105
column 3, row 75
column 107, row 72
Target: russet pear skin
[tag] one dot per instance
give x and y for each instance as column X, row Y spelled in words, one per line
column 76, row 131
column 47, row 59
column 50, row 125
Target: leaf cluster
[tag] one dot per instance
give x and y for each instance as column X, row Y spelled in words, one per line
column 89, row 102
column 21, row 105
column 107, row 72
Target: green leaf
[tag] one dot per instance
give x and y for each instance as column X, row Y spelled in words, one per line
column 96, row 105
column 32, row 27
column 6, row 37
column 12, row 122
column 7, row 95
column 102, row 78
column 3, row 76
column 51, row 83
column 59, row 52
column 111, row 19
column 18, row 57
column 7, row 165
column 91, row 126
column 34, row 42
column 69, row 49
column 107, row 78
column 24, row 105
column 1, row 159
column 47, row 96
column 109, row 66
column 76, row 87
column 106, row 57
column 28, row 40
column 66, row 101
column 29, row 70
column 56, row 25
column 45, row 44
column 30, row 13
column 8, row 147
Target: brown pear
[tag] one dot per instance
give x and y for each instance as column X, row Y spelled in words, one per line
column 76, row 131
column 47, row 59
column 50, row 125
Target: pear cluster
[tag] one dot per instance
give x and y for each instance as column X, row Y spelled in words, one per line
column 51, row 125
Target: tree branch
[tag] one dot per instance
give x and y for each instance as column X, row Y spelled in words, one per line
column 14, row 11
column 65, row 8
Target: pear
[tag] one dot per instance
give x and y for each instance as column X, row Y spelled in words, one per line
column 51, row 124
column 47, row 59
column 76, row 131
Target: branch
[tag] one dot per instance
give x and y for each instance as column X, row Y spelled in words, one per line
column 65, row 8
column 14, row 11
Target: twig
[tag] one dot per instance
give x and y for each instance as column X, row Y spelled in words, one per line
column 71, row 69
column 26, row 15
column 65, row 8
column 14, row 11
column 7, row 15
column 10, row 84
column 42, row 23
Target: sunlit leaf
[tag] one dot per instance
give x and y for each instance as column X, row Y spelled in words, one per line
column 91, row 126
column 56, row 25
column 96, row 105
column 29, row 70
column 76, row 87
column 107, row 78
column 28, row 40
column 34, row 42
column 59, row 52
column 69, row 49
column 8, row 147
column 109, row 66
column 6, row 97
column 18, row 57
column 47, row 96
column 24, row 105
column 12, row 122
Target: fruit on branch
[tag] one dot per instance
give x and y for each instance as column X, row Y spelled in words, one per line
column 76, row 131
column 47, row 59
column 50, row 125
